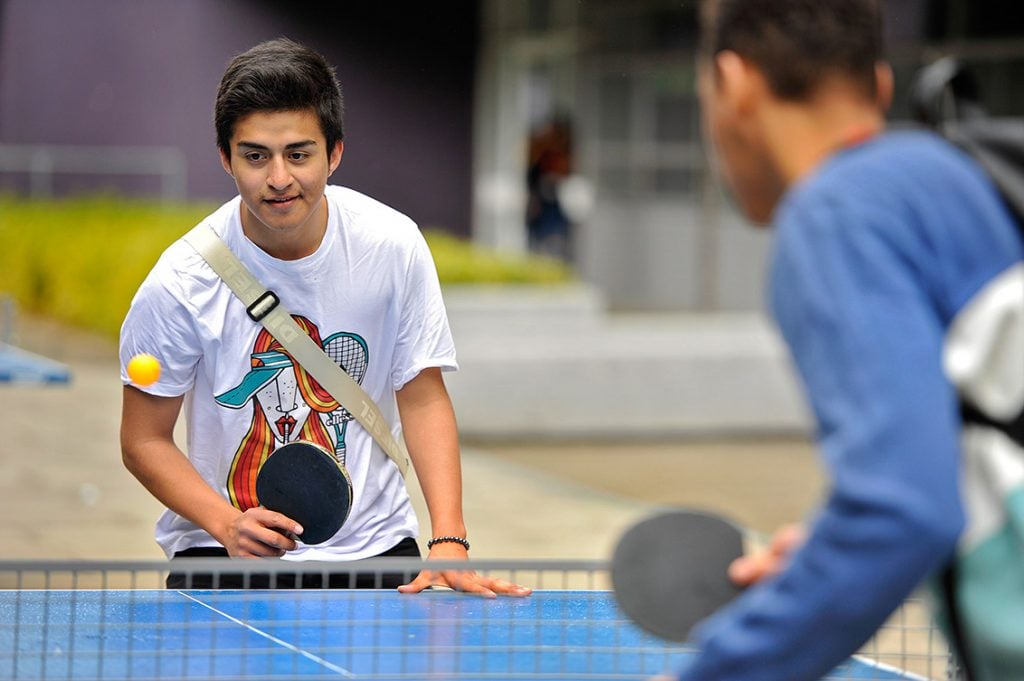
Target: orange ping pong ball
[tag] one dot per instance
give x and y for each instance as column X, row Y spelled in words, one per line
column 144, row 369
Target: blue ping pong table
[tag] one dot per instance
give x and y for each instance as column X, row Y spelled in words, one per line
column 323, row 634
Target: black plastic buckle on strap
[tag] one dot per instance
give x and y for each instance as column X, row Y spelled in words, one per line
column 263, row 306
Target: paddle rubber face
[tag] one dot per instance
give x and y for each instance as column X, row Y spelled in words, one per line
column 670, row 571
column 304, row 482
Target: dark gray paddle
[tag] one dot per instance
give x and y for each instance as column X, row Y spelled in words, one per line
column 669, row 571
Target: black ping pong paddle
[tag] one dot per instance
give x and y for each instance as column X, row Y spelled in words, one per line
column 305, row 482
column 669, row 571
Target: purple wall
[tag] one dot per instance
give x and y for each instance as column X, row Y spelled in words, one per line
column 145, row 72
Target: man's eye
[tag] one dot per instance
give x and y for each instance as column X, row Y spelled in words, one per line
column 254, row 156
column 298, row 156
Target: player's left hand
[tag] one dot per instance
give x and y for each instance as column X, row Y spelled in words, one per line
column 770, row 561
column 461, row 580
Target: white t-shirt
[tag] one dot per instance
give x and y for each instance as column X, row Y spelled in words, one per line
column 371, row 293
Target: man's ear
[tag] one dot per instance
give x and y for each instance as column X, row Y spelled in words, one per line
column 225, row 162
column 737, row 80
column 335, row 158
column 884, row 84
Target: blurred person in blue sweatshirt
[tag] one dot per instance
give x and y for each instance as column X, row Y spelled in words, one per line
column 897, row 281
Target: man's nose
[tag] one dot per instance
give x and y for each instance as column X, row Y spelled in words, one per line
column 279, row 176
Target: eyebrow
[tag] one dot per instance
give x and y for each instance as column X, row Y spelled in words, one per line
column 263, row 147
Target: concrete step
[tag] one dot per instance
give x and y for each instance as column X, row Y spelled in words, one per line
column 555, row 365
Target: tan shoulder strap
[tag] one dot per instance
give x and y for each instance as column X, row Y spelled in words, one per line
column 265, row 307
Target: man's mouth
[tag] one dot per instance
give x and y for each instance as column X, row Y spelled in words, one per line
column 280, row 200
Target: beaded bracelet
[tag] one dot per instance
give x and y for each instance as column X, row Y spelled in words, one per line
column 446, row 540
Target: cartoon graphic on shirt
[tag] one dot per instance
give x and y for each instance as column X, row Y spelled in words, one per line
column 274, row 386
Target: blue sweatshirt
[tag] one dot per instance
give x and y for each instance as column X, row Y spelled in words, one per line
column 876, row 252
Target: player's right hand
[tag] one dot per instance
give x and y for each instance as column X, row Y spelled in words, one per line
column 261, row 533
column 770, row 561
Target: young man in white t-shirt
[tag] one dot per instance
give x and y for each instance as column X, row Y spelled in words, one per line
column 352, row 271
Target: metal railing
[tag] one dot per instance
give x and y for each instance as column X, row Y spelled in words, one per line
column 42, row 162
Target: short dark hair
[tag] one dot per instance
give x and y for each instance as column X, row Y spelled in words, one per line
column 278, row 75
column 797, row 44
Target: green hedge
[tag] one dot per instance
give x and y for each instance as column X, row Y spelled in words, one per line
column 80, row 260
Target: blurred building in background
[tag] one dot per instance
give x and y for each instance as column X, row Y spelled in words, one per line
column 653, row 229
column 445, row 102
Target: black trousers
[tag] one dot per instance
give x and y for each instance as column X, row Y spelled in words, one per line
column 350, row 579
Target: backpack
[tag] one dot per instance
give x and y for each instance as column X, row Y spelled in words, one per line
column 980, row 595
